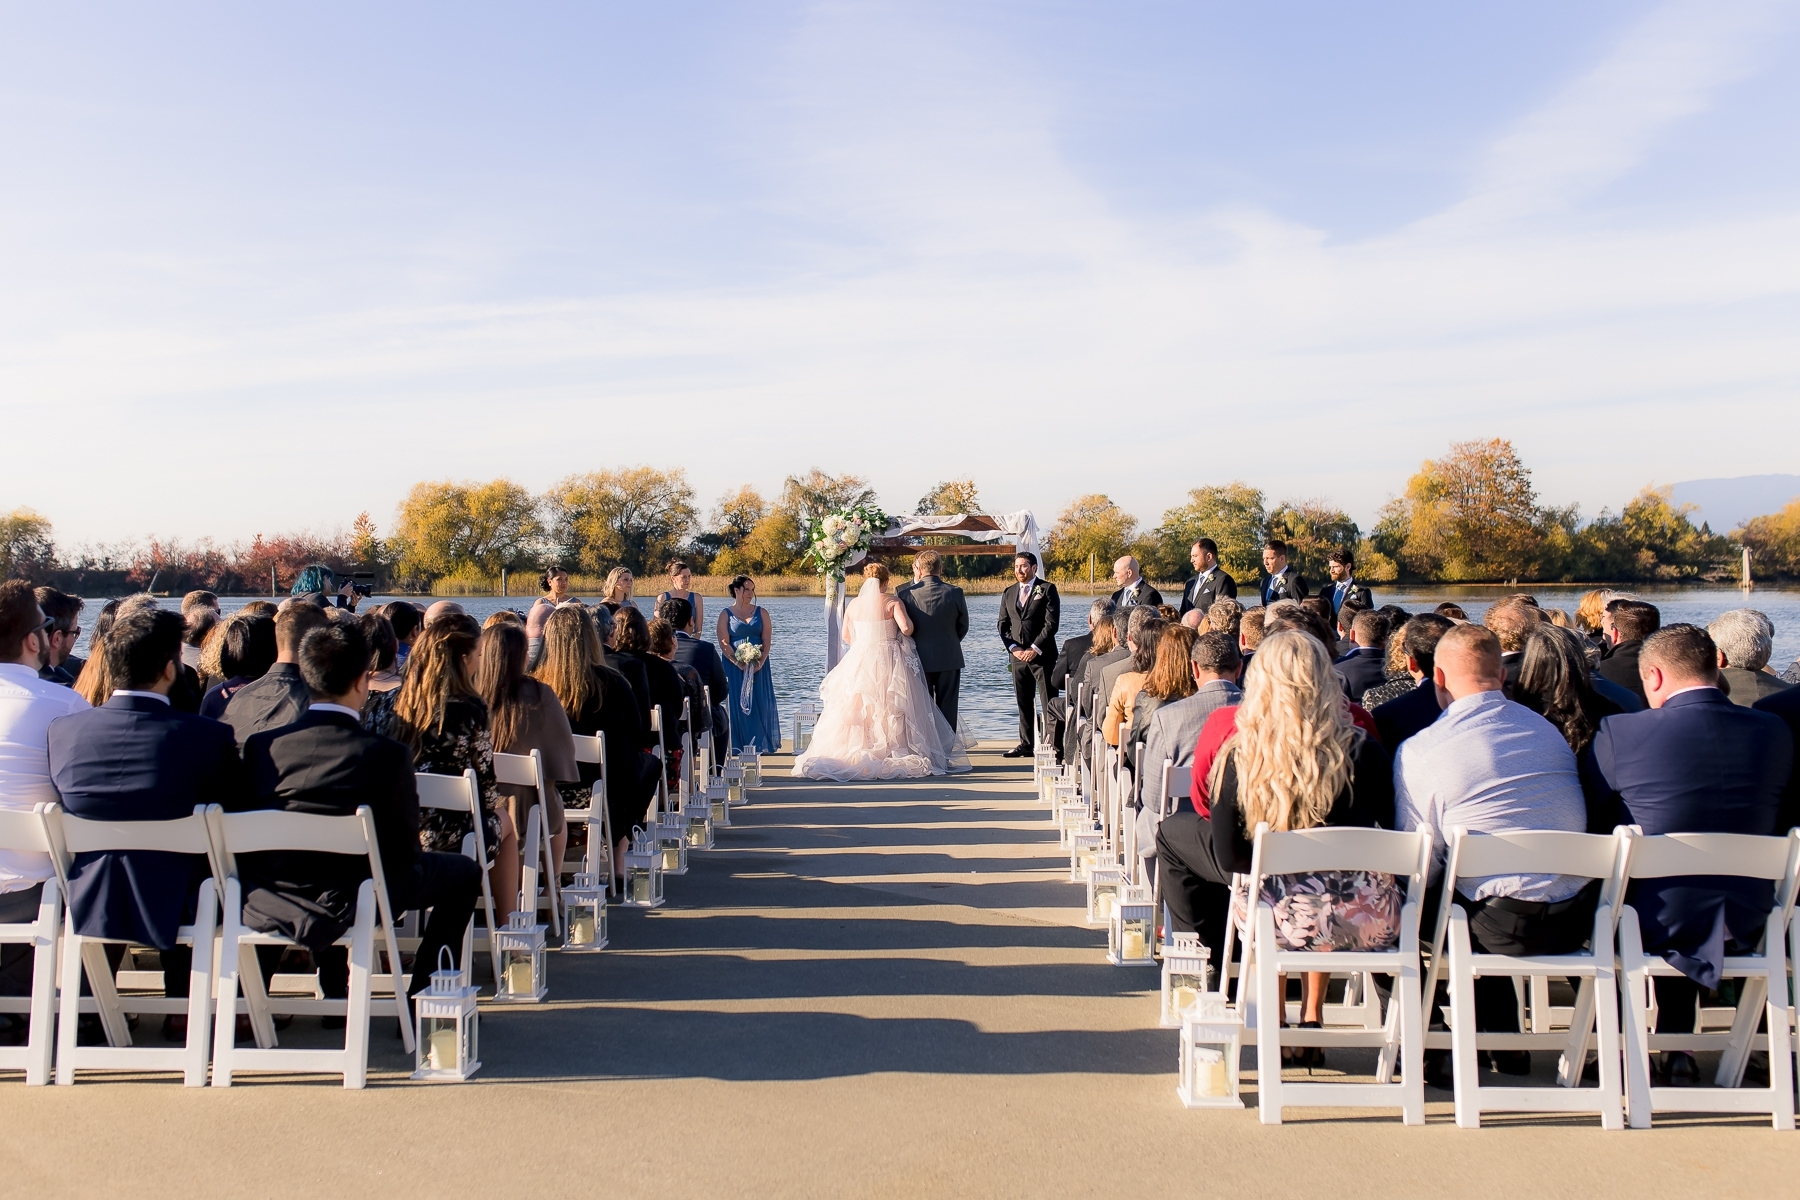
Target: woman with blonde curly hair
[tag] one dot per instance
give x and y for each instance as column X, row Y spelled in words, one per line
column 1296, row 761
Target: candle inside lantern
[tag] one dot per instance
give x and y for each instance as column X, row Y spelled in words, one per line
column 671, row 858
column 640, row 887
column 442, row 1055
column 1133, row 942
column 734, row 790
column 581, row 929
column 1103, row 906
column 518, row 977
column 1214, row 1079
column 1181, row 997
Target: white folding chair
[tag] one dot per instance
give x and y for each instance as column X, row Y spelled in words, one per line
column 1765, row 976
column 69, row 836
column 597, row 857
column 1174, row 784
column 1307, row 851
column 1476, row 856
column 23, row 832
column 462, row 794
column 239, row 974
column 527, row 770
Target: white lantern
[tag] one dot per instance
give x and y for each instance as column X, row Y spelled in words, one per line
column 584, row 908
column 448, row 1046
column 718, row 800
column 643, row 872
column 1085, row 848
column 1184, row 968
column 804, row 718
column 698, row 814
column 1131, row 938
column 752, row 769
column 522, row 974
column 734, row 780
column 1075, row 819
column 671, row 839
column 1211, row 1036
column 1104, row 886
column 1062, row 794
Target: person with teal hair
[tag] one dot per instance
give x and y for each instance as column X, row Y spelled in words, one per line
column 316, row 578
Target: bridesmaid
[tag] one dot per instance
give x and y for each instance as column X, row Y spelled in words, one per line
column 681, row 578
column 618, row 589
column 746, row 621
column 555, row 583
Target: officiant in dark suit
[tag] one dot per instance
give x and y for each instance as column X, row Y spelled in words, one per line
column 940, row 618
column 1029, row 615
column 1280, row 580
column 1134, row 589
column 1209, row 583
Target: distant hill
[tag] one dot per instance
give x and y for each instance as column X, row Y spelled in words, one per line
column 1727, row 503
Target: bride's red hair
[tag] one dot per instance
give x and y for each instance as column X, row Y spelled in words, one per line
column 876, row 570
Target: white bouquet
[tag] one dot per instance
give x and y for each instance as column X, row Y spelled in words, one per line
column 746, row 655
column 837, row 538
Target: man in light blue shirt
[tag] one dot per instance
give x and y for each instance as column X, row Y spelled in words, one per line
column 1491, row 765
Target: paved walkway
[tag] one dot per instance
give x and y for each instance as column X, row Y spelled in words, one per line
column 879, row 990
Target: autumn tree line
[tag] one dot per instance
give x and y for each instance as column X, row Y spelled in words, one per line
column 1472, row 515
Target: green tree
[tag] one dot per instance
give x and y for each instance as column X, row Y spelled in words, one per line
column 777, row 542
column 478, row 529
column 1094, row 529
column 1471, row 514
column 1773, row 541
column 27, row 550
column 1651, row 538
column 1313, row 529
column 1230, row 514
column 953, row 496
column 635, row 517
column 728, row 526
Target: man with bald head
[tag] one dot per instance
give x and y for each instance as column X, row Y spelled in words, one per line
column 1493, row 765
column 441, row 608
column 1134, row 589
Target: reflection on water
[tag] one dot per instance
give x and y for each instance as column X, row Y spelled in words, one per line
column 987, row 705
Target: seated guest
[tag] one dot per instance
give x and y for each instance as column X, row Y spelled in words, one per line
column 1069, row 658
column 1105, row 649
column 618, row 590
column 408, row 623
column 28, row 703
column 1406, row 715
column 441, row 608
column 326, row 763
column 631, row 643
column 1395, row 680
column 1694, row 763
column 1210, row 583
column 1250, row 635
column 1512, row 621
column 200, row 621
column 1492, row 765
column 1626, row 623
column 699, row 654
column 1171, row 679
column 1451, row 610
column 64, row 612
column 1366, row 666
column 505, row 616
column 136, row 758
column 1745, row 639
column 1343, row 624
column 662, row 645
column 1127, row 623
column 1224, row 616
column 1554, row 684
column 1296, row 761
column 1280, row 581
column 1320, row 607
column 1134, row 589
column 384, row 655
column 636, row 678
column 1344, row 588
column 1590, row 615
column 441, row 718
column 91, row 682
column 1122, row 699
column 1173, row 728
column 597, row 700
column 280, row 695
column 1785, row 704
column 523, row 716
column 247, row 651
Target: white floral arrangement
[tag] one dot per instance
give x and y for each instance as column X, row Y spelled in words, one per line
column 838, row 539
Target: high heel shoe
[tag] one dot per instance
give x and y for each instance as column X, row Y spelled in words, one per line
column 1312, row 1057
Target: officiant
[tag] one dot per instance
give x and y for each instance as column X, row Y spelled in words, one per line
column 940, row 617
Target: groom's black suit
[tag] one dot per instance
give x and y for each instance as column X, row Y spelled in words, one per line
column 1030, row 625
column 940, row 618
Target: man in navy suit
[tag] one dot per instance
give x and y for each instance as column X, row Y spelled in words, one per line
column 1344, row 588
column 1366, row 666
column 1400, row 718
column 1694, row 762
column 1280, row 581
column 136, row 758
column 1786, row 705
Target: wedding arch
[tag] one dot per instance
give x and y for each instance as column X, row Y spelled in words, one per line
column 1002, row 534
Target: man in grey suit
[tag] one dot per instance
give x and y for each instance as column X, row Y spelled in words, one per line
column 940, row 618
column 1175, row 726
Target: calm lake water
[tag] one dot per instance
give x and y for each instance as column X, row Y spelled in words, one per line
column 987, row 705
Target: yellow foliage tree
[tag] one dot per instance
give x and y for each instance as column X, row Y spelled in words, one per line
column 1471, row 514
column 1093, row 526
column 636, row 517
column 1773, row 541
column 451, row 528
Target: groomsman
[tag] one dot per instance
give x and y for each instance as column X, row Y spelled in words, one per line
column 1029, row 615
column 1342, row 565
column 1280, row 581
column 1210, row 582
column 940, row 618
column 1134, row 589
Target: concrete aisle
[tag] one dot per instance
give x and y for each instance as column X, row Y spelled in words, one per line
column 872, row 990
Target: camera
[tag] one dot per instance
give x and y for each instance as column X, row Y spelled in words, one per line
column 349, row 578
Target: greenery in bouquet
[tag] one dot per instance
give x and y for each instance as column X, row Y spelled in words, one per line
column 838, row 538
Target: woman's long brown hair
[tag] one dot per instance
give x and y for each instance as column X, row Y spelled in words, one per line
column 499, row 680
column 434, row 676
column 1171, row 678
column 567, row 667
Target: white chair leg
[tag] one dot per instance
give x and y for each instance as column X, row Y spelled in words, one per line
column 70, row 1015
column 40, row 1045
column 1540, row 1004
column 106, row 995
column 1634, row 987
column 1464, row 1063
column 1755, row 991
column 1781, row 1080
column 200, row 988
column 1269, row 1006
column 1581, row 1030
column 526, row 900
column 552, row 871
column 1412, row 1043
column 1603, row 1012
column 356, row 1018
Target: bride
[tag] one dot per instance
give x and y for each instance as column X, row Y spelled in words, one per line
column 879, row 721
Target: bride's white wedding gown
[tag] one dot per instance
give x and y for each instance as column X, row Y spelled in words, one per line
column 878, row 719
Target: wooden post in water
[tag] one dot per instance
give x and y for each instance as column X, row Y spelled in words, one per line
column 1746, row 568
column 503, row 581
column 271, row 580
column 1090, row 572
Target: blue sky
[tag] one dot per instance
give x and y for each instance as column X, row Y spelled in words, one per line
column 261, row 267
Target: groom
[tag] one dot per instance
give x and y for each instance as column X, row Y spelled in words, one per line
column 1029, row 614
column 940, row 618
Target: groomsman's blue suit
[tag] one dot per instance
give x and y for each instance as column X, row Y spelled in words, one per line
column 1698, row 764
column 137, row 759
